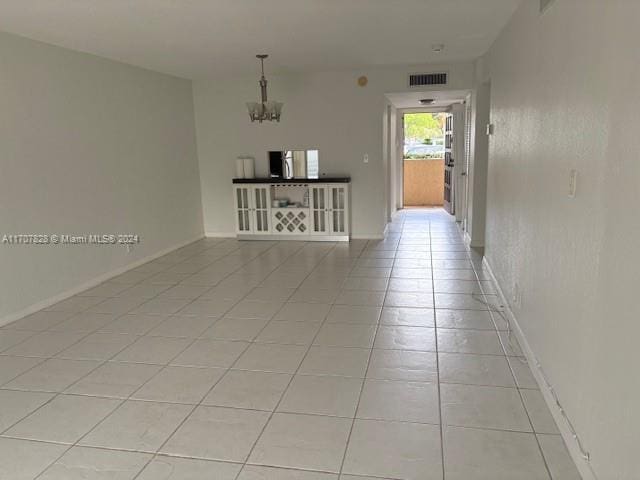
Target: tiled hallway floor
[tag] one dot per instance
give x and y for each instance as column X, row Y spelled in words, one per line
column 233, row 360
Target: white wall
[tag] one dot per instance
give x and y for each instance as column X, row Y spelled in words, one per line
column 390, row 151
column 327, row 111
column 88, row 146
column 477, row 174
column 386, row 157
column 459, row 181
column 564, row 95
column 397, row 157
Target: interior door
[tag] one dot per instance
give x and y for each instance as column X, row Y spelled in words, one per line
column 319, row 210
column 242, row 200
column 262, row 209
column 449, row 179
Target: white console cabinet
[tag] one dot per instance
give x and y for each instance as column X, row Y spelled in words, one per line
column 252, row 209
column 316, row 211
column 329, row 209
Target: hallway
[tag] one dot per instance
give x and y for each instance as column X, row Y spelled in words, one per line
column 227, row 359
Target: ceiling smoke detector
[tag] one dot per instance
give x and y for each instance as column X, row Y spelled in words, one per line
column 437, row 47
column 426, row 101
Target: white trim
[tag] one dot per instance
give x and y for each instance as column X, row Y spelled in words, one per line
column 304, row 238
column 469, row 241
column 368, row 236
column 220, row 234
column 12, row 317
column 582, row 464
column 467, row 238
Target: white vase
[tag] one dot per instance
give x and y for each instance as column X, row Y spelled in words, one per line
column 249, row 167
column 239, row 167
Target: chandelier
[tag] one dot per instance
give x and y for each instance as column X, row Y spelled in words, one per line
column 264, row 110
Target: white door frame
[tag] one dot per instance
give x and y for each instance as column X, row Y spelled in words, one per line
column 400, row 143
column 468, row 138
column 459, row 162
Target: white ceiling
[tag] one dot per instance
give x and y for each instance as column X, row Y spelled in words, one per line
column 199, row 38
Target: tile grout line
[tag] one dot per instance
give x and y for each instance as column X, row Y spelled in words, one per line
column 164, row 366
column 194, row 340
column 86, row 310
column 197, row 405
column 355, row 413
column 515, row 380
column 102, row 363
column 435, row 324
column 318, row 265
column 321, row 415
column 58, row 394
column 122, row 401
column 284, row 391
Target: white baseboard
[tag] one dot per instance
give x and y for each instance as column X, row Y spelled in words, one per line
column 472, row 243
column 584, row 468
column 299, row 238
column 12, row 317
column 220, row 234
column 365, row 236
column 371, row 236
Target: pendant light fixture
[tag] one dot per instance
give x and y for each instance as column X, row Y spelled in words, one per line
column 264, row 110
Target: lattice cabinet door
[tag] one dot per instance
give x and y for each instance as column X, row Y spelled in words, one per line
column 319, row 223
column 261, row 209
column 242, row 201
column 338, row 209
column 290, row 221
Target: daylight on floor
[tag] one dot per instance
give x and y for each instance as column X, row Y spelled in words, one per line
column 319, row 240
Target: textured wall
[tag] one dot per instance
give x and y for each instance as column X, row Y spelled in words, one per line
column 564, row 95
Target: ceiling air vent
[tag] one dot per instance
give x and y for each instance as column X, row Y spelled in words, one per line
column 422, row 79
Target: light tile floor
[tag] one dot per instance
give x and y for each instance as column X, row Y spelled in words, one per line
column 279, row 361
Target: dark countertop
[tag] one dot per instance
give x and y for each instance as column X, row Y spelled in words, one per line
column 294, row 180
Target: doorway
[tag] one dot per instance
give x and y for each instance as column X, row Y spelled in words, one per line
column 416, row 162
column 423, row 159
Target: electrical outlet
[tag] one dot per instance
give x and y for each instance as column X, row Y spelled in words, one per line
column 366, row 158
